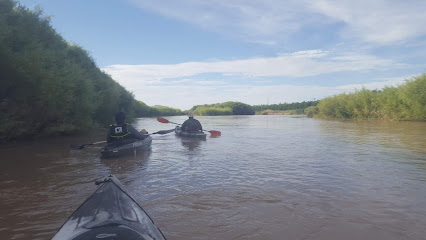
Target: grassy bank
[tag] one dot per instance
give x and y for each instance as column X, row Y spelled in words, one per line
column 278, row 112
column 405, row 102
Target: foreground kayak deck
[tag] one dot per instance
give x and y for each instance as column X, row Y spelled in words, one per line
column 110, row 213
column 199, row 134
column 112, row 150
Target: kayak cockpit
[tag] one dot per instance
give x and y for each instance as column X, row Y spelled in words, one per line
column 109, row 213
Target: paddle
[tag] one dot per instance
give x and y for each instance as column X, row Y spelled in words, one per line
column 78, row 147
column 212, row 132
column 163, row 120
column 163, row 131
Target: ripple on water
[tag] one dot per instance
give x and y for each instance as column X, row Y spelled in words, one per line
column 266, row 177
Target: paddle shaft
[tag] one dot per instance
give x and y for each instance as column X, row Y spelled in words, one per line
column 213, row 132
column 163, row 131
column 78, row 147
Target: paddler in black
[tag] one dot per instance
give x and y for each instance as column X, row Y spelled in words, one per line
column 191, row 124
column 122, row 132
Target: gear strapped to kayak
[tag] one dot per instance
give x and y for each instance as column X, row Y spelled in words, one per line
column 191, row 134
column 117, row 150
column 214, row 133
column 110, row 213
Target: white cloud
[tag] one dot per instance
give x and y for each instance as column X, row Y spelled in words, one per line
column 309, row 53
column 378, row 84
column 209, row 82
column 186, row 96
column 298, row 64
column 380, row 21
column 269, row 21
column 254, row 19
column 155, row 84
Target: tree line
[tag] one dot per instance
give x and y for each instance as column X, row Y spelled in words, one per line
column 50, row 86
column 296, row 106
column 226, row 108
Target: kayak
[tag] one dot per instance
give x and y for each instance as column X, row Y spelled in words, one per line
column 193, row 134
column 114, row 150
column 109, row 213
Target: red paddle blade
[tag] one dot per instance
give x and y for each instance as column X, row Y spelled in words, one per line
column 162, row 120
column 215, row 133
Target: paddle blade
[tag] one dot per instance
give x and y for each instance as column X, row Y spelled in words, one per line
column 215, row 133
column 162, row 120
column 77, row 147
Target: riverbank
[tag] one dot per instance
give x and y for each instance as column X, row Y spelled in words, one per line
column 406, row 102
column 278, row 112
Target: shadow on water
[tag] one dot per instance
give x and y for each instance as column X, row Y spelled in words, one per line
column 127, row 164
column 191, row 144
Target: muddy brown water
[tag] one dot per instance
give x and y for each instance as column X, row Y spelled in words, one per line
column 266, row 177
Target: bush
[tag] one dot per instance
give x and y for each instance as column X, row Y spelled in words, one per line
column 48, row 85
column 212, row 111
column 406, row 102
column 165, row 111
column 236, row 108
column 311, row 111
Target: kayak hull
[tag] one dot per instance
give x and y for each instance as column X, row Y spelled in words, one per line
column 195, row 134
column 113, row 151
column 109, row 213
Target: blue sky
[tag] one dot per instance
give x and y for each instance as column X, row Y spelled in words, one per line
column 181, row 53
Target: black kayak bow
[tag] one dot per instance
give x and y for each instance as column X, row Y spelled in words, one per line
column 81, row 146
column 110, row 213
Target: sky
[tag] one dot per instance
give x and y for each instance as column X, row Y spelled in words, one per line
column 181, row 53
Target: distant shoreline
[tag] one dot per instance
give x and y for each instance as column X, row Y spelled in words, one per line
column 280, row 112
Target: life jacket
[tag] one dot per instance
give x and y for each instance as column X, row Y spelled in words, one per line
column 191, row 125
column 118, row 132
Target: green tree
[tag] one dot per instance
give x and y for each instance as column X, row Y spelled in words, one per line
column 49, row 86
column 237, row 108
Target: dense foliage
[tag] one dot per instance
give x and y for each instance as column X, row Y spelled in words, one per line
column 406, row 102
column 297, row 106
column 164, row 111
column 281, row 112
column 146, row 111
column 48, row 85
column 213, row 111
column 226, row 108
column 311, row 111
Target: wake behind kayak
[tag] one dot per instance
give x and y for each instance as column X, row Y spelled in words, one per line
column 110, row 213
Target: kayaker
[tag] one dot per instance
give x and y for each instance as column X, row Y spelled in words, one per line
column 191, row 124
column 122, row 132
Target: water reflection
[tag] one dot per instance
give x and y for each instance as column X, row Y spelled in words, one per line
column 214, row 136
column 266, row 177
column 127, row 164
column 191, row 143
column 406, row 136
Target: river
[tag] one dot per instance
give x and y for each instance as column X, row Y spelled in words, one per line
column 266, row 177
